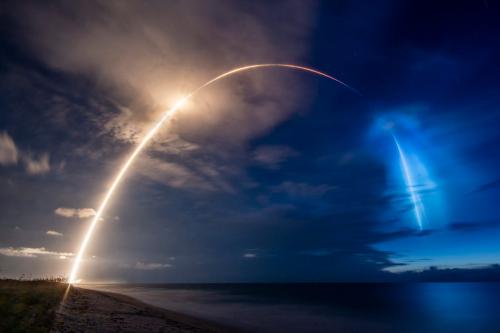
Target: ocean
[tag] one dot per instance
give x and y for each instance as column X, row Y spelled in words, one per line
column 318, row 308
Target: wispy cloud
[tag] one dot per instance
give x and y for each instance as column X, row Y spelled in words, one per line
column 249, row 255
column 298, row 189
column 54, row 233
column 81, row 213
column 8, row 150
column 171, row 174
column 10, row 154
column 146, row 266
column 272, row 156
column 36, row 166
column 32, row 252
column 467, row 226
column 494, row 184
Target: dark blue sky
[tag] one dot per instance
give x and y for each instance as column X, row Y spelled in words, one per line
column 269, row 175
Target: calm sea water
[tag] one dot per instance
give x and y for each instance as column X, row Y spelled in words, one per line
column 424, row 307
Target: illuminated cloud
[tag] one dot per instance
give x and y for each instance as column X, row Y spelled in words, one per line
column 8, row 150
column 31, row 252
column 36, row 166
column 81, row 213
column 10, row 155
column 249, row 255
column 54, row 233
column 170, row 173
column 150, row 61
column 173, row 144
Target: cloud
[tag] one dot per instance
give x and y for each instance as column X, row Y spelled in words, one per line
column 31, row 252
column 36, row 166
column 171, row 174
column 473, row 225
column 452, row 274
column 494, row 184
column 144, row 64
column 8, row 150
column 295, row 189
column 54, row 233
column 173, row 144
column 249, row 255
column 272, row 156
column 147, row 266
column 10, row 155
column 81, row 213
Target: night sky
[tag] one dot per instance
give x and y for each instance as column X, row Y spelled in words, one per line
column 267, row 176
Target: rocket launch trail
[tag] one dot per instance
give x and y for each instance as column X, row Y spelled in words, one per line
column 156, row 127
column 410, row 185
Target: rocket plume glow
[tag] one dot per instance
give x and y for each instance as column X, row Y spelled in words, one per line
column 154, row 129
column 410, row 185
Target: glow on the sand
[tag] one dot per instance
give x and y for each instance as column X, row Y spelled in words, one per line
column 147, row 138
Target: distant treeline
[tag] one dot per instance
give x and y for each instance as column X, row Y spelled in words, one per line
column 59, row 279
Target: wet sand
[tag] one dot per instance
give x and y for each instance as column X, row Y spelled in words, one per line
column 86, row 310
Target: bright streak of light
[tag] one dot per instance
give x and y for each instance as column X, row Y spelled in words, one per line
column 410, row 185
column 166, row 116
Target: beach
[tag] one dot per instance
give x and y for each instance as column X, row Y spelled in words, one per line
column 85, row 310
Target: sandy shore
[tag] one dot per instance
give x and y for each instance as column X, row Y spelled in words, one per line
column 86, row 310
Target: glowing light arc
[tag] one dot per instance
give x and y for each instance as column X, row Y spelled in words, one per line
column 150, row 134
column 410, row 185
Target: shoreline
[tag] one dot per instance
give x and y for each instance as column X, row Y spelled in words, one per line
column 89, row 310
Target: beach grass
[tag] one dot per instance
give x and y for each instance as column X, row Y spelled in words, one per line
column 29, row 306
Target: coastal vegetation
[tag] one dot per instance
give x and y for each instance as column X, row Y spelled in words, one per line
column 29, row 305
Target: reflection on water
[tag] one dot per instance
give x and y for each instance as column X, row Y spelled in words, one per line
column 426, row 307
column 460, row 307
